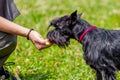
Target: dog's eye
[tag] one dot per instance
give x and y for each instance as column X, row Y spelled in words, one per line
column 64, row 33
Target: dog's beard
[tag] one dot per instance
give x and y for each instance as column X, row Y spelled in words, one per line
column 55, row 37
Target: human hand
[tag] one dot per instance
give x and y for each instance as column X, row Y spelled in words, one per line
column 38, row 41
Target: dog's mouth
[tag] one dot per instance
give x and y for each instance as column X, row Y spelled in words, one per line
column 55, row 37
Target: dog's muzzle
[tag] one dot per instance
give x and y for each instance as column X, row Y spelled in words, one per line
column 54, row 36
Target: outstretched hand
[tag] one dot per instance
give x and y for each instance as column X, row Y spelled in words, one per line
column 38, row 41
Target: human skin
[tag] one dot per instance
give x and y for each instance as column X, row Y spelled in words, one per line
column 13, row 28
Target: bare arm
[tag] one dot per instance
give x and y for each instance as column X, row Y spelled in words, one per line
column 12, row 28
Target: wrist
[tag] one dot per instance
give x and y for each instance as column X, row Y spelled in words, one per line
column 28, row 34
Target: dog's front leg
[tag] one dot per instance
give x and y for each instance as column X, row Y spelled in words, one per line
column 98, row 73
column 108, row 75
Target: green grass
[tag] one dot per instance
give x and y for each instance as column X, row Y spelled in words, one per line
column 55, row 63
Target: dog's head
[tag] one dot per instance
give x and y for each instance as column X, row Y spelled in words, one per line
column 63, row 29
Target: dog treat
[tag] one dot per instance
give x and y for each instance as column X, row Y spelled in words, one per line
column 48, row 43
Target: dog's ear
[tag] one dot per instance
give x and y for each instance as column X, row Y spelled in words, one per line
column 79, row 16
column 73, row 17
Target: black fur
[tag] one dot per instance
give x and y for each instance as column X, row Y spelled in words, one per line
column 101, row 47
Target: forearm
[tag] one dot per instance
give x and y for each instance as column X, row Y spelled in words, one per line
column 12, row 28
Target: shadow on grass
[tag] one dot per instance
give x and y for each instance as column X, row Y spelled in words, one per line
column 38, row 76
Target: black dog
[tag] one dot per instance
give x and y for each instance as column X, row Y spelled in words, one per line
column 101, row 47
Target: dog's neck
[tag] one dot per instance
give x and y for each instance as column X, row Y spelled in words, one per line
column 81, row 28
column 85, row 32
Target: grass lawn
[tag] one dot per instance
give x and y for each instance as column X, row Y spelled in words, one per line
column 55, row 63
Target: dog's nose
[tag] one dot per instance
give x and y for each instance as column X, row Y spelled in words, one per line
column 49, row 27
column 51, row 24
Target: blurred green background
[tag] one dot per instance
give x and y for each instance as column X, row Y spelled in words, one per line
column 55, row 63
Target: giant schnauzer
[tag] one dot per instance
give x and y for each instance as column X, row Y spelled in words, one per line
column 101, row 47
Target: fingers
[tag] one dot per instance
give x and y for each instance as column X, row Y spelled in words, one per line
column 41, row 47
column 46, row 42
column 42, row 44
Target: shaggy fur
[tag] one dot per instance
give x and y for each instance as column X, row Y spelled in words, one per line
column 101, row 47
